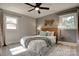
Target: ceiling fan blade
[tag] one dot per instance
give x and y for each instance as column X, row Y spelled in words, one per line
column 30, row 10
column 46, row 8
column 39, row 12
column 30, row 4
column 38, row 4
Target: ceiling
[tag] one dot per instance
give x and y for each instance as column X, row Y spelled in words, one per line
column 23, row 8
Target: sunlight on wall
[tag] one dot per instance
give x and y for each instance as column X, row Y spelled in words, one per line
column 17, row 50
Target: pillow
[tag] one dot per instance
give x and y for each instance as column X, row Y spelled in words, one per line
column 50, row 33
column 42, row 33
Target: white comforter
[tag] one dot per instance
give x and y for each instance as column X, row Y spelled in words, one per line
column 52, row 38
column 37, row 47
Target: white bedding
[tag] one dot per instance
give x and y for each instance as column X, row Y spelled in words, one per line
column 52, row 38
column 37, row 47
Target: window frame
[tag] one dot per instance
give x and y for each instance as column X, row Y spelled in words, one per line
column 11, row 23
column 67, row 15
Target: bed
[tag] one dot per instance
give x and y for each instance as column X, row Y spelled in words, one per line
column 39, row 44
column 26, row 40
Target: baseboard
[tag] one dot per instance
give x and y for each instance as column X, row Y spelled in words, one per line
column 68, row 43
column 10, row 44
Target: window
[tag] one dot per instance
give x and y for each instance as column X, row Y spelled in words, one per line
column 67, row 22
column 11, row 22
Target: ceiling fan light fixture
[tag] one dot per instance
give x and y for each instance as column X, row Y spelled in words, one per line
column 36, row 8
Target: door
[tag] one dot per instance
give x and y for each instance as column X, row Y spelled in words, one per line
column 11, row 29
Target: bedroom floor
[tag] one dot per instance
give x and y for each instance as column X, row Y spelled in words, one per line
column 61, row 49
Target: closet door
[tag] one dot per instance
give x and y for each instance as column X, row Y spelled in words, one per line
column 11, row 29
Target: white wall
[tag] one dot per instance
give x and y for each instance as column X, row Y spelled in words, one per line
column 26, row 26
column 40, row 21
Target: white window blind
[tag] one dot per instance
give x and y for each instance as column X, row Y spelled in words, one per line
column 11, row 22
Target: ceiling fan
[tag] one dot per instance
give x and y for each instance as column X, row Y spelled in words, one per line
column 37, row 7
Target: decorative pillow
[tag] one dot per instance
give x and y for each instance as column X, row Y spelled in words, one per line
column 50, row 33
column 43, row 33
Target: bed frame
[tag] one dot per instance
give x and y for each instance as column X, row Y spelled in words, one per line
column 52, row 30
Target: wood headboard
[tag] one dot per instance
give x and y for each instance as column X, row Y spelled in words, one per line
column 55, row 30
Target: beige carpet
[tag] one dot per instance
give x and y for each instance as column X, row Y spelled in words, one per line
column 61, row 49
